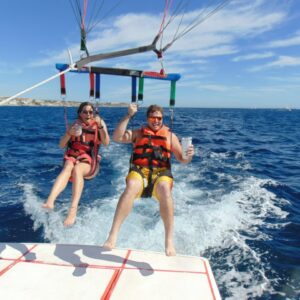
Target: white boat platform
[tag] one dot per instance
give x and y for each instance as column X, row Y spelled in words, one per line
column 55, row 271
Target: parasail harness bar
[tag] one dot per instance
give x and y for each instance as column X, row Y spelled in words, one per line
column 134, row 74
column 91, row 58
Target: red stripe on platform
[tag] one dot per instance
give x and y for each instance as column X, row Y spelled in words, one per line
column 117, row 270
column 209, row 282
column 114, row 280
column 91, row 266
column 16, row 261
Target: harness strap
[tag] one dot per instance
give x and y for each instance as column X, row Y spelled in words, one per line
column 133, row 89
column 161, row 161
column 62, row 85
column 97, row 94
column 152, row 147
column 90, row 131
column 154, row 137
column 92, row 85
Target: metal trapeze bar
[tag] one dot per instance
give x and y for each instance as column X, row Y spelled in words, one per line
column 86, row 60
column 122, row 72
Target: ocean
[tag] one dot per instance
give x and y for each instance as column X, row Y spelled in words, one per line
column 236, row 204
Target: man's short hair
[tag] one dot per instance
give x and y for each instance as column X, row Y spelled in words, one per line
column 153, row 108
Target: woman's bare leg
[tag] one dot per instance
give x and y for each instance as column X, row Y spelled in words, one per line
column 59, row 184
column 79, row 171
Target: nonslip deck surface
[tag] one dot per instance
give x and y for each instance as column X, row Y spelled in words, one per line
column 55, row 271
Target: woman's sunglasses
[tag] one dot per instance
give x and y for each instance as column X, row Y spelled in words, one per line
column 88, row 112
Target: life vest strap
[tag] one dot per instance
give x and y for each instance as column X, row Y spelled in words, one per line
column 90, row 131
column 152, row 147
column 152, row 160
column 154, row 137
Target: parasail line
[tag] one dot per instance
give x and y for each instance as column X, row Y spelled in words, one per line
column 37, row 85
column 195, row 23
column 91, row 26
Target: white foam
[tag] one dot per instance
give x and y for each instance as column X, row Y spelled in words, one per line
column 220, row 219
column 228, row 222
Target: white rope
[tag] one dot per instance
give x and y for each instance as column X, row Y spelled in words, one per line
column 71, row 67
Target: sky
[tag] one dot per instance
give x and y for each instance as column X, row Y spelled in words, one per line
column 247, row 55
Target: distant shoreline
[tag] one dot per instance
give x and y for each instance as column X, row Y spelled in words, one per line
column 68, row 103
column 56, row 103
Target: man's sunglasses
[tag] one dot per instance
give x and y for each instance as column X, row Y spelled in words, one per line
column 152, row 118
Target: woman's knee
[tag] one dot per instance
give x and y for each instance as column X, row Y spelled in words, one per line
column 68, row 167
column 81, row 170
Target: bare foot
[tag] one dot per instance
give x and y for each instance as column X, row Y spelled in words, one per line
column 109, row 244
column 70, row 219
column 48, row 206
column 170, row 249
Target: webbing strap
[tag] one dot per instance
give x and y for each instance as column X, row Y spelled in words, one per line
column 172, row 93
column 92, row 84
column 133, row 88
column 62, row 85
column 97, row 95
column 141, row 89
column 63, row 96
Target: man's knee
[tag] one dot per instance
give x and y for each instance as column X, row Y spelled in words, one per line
column 133, row 186
column 163, row 190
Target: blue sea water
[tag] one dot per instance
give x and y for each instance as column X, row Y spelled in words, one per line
column 237, row 203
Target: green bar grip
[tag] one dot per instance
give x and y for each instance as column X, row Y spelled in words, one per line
column 173, row 93
column 141, row 88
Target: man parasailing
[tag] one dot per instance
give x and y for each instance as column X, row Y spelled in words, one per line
column 150, row 170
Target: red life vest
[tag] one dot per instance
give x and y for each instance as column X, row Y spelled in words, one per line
column 153, row 148
column 85, row 147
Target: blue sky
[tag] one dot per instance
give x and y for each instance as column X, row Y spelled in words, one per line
column 246, row 55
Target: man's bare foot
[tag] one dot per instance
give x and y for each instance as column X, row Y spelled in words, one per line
column 109, row 244
column 70, row 219
column 48, row 206
column 170, row 249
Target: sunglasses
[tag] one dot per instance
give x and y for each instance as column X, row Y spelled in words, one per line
column 152, row 118
column 86, row 112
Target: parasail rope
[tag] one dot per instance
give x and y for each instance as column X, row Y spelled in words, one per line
column 37, row 85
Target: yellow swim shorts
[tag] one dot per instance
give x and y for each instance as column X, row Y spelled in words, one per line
column 158, row 175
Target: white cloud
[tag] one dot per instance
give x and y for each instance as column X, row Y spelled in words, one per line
column 282, row 61
column 214, row 87
column 292, row 41
column 253, row 56
column 292, row 78
column 286, row 61
column 218, row 35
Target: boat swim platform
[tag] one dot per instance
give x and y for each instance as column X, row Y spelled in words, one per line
column 57, row 271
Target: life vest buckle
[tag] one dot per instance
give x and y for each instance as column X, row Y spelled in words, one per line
column 157, row 153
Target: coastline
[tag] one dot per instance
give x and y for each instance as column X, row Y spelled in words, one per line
column 43, row 102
